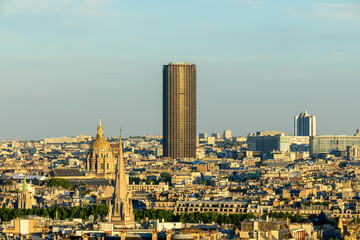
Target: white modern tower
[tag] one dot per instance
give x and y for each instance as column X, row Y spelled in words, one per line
column 304, row 125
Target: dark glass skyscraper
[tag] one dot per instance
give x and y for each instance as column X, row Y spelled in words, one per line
column 179, row 110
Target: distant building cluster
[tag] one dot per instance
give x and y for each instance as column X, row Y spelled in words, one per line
column 77, row 139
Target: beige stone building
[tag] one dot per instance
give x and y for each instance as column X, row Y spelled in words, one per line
column 23, row 226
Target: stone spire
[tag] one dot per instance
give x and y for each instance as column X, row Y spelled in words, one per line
column 122, row 212
column 24, row 198
column 24, row 184
column 340, row 224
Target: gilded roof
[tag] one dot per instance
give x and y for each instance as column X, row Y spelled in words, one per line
column 100, row 143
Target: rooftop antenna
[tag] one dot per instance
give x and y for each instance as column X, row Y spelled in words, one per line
column 303, row 106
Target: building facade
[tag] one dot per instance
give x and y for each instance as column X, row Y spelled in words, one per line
column 353, row 152
column 326, row 144
column 268, row 142
column 227, row 134
column 304, row 125
column 216, row 135
column 179, row 110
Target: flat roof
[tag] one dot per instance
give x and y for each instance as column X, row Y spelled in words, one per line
column 180, row 63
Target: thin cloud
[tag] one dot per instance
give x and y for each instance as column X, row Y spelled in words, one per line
column 251, row 2
column 47, row 8
column 337, row 11
column 336, row 5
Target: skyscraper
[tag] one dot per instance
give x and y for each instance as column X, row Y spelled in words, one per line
column 304, row 125
column 179, row 110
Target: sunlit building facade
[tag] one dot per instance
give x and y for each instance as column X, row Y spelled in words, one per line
column 179, row 110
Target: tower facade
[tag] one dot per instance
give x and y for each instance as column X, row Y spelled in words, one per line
column 24, row 198
column 122, row 215
column 100, row 159
column 304, row 125
column 179, row 110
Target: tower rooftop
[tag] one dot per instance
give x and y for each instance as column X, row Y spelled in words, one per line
column 180, row 63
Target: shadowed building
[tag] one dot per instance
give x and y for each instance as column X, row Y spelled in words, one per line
column 179, row 110
column 67, row 173
column 304, row 125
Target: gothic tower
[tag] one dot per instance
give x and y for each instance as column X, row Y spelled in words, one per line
column 122, row 215
column 24, row 199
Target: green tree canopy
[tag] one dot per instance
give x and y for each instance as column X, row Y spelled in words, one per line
column 7, row 214
column 59, row 182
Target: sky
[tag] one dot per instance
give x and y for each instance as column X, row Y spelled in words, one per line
column 259, row 63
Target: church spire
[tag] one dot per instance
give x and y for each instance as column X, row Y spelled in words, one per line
column 340, row 224
column 120, row 147
column 122, row 213
column 24, row 184
column 100, row 133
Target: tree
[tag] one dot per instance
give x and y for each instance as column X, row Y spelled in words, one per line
column 196, row 217
column 166, row 177
column 7, row 214
column 59, row 182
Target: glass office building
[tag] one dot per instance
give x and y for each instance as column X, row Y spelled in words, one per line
column 325, row 144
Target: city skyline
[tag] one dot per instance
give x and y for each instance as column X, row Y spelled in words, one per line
column 196, row 104
column 63, row 63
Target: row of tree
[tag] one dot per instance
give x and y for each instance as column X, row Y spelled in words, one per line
column 55, row 212
column 61, row 213
column 208, row 217
column 165, row 177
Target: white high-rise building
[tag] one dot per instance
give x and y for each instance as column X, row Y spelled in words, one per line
column 304, row 125
column 227, row 134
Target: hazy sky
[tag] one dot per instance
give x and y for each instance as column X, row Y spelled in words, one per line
column 62, row 63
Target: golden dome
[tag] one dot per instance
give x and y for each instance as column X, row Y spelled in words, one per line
column 100, row 143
